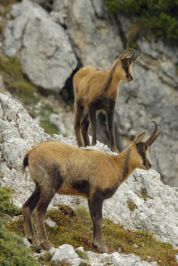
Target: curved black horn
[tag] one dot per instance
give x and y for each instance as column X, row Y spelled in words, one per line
column 153, row 136
column 129, row 53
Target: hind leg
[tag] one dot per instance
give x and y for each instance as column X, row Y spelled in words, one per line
column 84, row 130
column 77, row 122
column 92, row 118
column 27, row 210
column 49, row 187
column 39, row 215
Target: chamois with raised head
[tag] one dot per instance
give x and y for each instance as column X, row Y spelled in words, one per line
column 96, row 89
column 60, row 168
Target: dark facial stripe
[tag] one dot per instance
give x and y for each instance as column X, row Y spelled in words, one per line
column 126, row 168
column 125, row 65
column 141, row 150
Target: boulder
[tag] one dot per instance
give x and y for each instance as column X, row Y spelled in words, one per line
column 94, row 35
column 42, row 45
column 67, row 254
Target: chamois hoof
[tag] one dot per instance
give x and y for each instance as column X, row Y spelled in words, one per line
column 100, row 247
column 33, row 241
column 46, row 245
column 114, row 149
column 36, row 248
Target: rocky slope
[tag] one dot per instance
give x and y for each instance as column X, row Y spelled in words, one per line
column 142, row 202
column 69, row 34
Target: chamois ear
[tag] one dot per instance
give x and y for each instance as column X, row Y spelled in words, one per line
column 139, row 138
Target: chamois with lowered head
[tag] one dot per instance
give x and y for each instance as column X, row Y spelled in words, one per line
column 60, row 168
column 96, row 89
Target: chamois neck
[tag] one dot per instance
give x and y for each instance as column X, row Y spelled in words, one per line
column 124, row 165
column 113, row 81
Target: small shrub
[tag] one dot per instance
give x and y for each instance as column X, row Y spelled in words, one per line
column 13, row 251
column 6, row 204
column 131, row 205
column 158, row 18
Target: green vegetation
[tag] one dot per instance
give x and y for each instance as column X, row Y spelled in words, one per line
column 9, row 2
column 44, row 120
column 6, row 204
column 13, row 251
column 144, row 194
column 75, row 228
column 48, row 126
column 158, row 18
column 131, row 205
column 16, row 82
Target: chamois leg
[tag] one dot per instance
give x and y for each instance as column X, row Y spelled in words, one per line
column 27, row 210
column 51, row 184
column 77, row 122
column 40, row 211
column 84, row 130
column 92, row 117
column 110, row 118
column 95, row 207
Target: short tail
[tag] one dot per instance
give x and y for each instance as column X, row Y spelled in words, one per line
column 25, row 161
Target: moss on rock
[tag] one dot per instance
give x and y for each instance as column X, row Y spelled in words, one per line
column 6, row 204
column 16, row 82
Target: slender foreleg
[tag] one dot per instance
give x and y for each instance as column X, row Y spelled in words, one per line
column 77, row 122
column 84, row 130
column 110, row 118
column 92, row 117
column 95, row 206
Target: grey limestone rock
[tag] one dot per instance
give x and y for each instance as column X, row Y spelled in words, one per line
column 41, row 44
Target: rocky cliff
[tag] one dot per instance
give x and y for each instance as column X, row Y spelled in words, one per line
column 52, row 41
column 142, row 202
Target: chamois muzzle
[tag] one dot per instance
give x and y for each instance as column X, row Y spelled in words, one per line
column 153, row 136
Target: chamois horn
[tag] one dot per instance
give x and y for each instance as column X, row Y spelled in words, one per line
column 130, row 53
column 153, row 136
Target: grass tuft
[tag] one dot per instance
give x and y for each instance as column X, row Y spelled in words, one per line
column 12, row 250
column 131, row 205
column 6, row 204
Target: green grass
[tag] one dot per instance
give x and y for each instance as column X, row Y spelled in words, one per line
column 49, row 128
column 131, row 205
column 25, row 91
column 12, row 250
column 6, row 204
column 75, row 228
column 16, row 82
